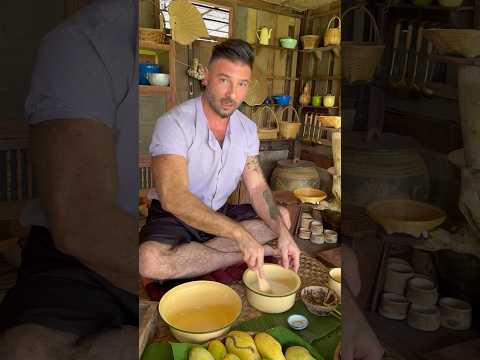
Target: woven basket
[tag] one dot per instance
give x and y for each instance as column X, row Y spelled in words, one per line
column 152, row 35
column 331, row 121
column 333, row 36
column 360, row 59
column 267, row 117
column 310, row 41
column 289, row 129
column 464, row 42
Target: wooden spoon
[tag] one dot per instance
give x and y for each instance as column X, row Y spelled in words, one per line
column 263, row 284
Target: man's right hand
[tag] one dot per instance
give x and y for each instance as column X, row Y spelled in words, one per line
column 253, row 252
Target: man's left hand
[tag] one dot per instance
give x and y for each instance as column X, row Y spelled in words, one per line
column 289, row 251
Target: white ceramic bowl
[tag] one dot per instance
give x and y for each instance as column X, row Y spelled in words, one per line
column 426, row 318
column 422, row 291
column 455, row 314
column 394, row 306
column 158, row 79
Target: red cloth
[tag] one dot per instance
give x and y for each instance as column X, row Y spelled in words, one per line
column 227, row 276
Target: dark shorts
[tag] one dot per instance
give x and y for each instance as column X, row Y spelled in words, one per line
column 165, row 228
column 57, row 291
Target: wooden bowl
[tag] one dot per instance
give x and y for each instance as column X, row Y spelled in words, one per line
column 406, row 216
column 198, row 311
column 310, row 195
column 312, row 297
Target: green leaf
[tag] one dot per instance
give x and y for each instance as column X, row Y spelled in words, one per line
column 158, row 351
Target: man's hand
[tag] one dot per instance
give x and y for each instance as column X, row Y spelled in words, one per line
column 253, row 252
column 289, row 251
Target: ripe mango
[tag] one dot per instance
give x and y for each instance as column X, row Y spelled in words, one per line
column 199, row 353
column 298, row 353
column 268, row 347
column 231, row 357
column 241, row 344
column 217, row 349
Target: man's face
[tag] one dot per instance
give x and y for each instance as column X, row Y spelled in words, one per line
column 226, row 85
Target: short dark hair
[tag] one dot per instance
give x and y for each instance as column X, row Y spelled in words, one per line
column 235, row 50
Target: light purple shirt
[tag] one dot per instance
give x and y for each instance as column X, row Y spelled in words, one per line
column 213, row 171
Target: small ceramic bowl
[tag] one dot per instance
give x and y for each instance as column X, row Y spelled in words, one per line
column 288, row 43
column 158, row 79
column 287, row 281
column 297, row 322
column 319, row 300
column 331, row 236
column 393, row 306
column 426, row 318
column 422, row 291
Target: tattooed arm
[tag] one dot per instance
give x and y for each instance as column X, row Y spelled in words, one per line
column 264, row 204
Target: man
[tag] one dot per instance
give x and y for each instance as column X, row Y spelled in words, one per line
column 200, row 150
column 76, row 292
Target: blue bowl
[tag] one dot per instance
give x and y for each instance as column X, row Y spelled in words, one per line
column 282, row 99
column 144, row 69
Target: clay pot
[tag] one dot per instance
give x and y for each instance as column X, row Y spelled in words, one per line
column 421, row 291
column 397, row 277
column 426, row 318
column 393, row 306
column 290, row 175
column 455, row 314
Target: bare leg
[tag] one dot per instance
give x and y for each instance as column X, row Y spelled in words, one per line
column 161, row 262
column 41, row 343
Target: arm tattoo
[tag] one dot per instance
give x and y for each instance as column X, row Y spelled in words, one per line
column 253, row 164
column 272, row 206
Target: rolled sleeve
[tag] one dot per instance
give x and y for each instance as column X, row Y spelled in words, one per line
column 70, row 81
column 168, row 138
column 253, row 143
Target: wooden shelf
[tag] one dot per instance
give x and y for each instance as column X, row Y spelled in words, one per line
column 152, row 89
column 429, row 7
column 149, row 45
column 273, row 47
column 456, row 60
column 317, row 51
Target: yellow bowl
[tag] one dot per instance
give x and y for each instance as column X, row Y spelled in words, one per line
column 199, row 311
column 284, row 282
column 310, row 195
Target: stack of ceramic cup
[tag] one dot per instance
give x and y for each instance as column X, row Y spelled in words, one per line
column 413, row 296
column 311, row 228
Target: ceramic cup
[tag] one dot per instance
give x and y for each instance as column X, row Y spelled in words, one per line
column 455, row 314
column 422, row 291
column 316, row 100
column 393, row 306
column 396, row 278
column 335, row 281
column 426, row 318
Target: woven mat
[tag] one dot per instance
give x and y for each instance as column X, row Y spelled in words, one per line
column 311, row 272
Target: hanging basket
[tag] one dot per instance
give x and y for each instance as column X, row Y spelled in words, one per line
column 360, row 59
column 267, row 123
column 333, row 36
column 156, row 36
column 289, row 129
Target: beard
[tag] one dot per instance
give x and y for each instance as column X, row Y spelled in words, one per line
column 216, row 105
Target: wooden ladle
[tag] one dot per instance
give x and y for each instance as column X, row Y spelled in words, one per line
column 263, row 284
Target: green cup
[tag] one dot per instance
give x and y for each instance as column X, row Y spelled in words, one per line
column 316, row 100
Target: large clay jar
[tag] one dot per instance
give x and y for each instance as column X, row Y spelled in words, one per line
column 291, row 175
column 388, row 167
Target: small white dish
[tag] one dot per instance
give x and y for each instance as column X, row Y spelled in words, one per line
column 158, row 79
column 297, row 322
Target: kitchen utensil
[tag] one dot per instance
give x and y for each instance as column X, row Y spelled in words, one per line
column 396, row 38
column 406, row 216
column 158, row 79
column 426, row 318
column 263, row 35
column 316, row 100
column 281, row 99
column 284, row 282
column 333, row 35
column 402, row 87
column 263, row 284
column 335, row 281
column 425, row 89
column 310, row 41
column 455, row 314
column 309, row 195
column 414, row 88
column 393, row 306
column 144, row 69
column 288, row 43
column 191, row 310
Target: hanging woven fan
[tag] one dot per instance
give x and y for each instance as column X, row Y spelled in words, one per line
column 186, row 22
column 257, row 90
